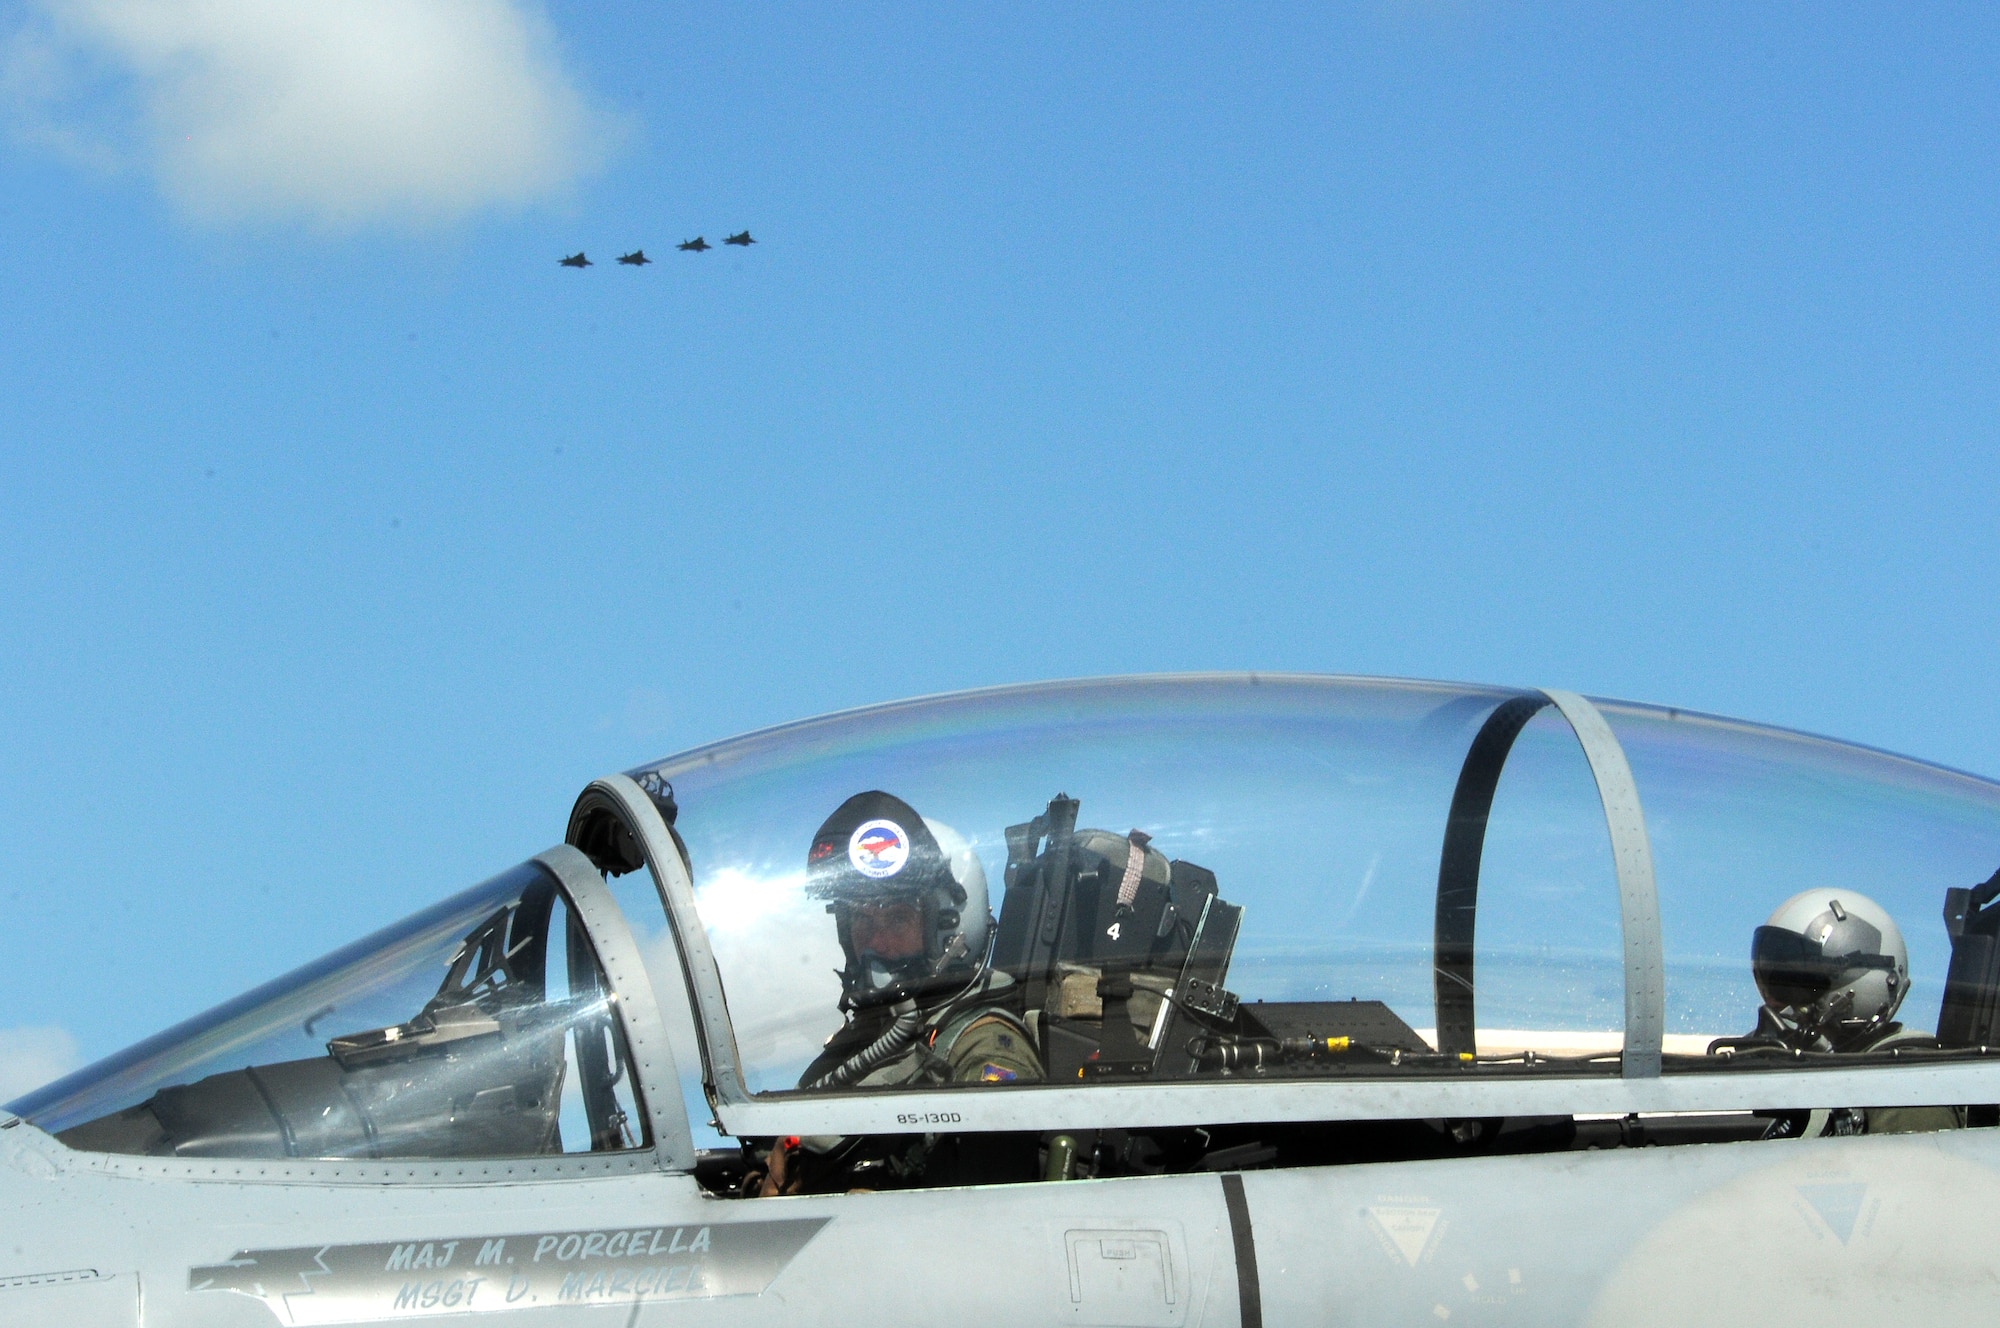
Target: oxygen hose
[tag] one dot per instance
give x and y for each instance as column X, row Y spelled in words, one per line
column 879, row 1052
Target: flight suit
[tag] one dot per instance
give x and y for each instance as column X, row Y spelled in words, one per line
column 991, row 1047
column 979, row 1045
column 1907, row 1120
column 1870, row 1120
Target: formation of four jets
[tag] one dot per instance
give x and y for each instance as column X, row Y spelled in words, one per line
column 637, row 258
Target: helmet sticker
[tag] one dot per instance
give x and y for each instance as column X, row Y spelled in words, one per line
column 878, row 849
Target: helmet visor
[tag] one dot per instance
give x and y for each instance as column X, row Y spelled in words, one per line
column 891, row 929
column 1796, row 970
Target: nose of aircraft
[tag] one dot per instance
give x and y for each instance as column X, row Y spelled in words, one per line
column 64, row 1257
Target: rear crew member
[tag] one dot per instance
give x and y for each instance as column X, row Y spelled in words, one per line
column 1832, row 969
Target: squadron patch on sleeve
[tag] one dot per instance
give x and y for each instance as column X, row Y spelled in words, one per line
column 990, row 1073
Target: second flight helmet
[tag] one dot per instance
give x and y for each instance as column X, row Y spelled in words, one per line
column 1832, row 964
column 908, row 898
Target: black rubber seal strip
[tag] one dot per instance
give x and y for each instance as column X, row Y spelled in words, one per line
column 1249, row 1294
column 1458, row 869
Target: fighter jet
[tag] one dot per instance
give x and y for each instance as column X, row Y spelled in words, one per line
column 637, row 258
column 741, row 238
column 576, row 260
column 696, row 245
column 1411, row 998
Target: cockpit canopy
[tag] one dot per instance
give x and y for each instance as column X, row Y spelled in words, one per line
column 1410, row 871
column 1191, row 879
column 480, row 1027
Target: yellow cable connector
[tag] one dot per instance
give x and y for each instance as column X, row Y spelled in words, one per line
column 1336, row 1044
column 1465, row 1058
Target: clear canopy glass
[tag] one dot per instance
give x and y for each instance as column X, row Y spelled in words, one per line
column 480, row 1027
column 1743, row 817
column 1305, row 815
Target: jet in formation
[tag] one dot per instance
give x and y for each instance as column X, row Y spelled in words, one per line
column 1439, row 1003
column 637, row 258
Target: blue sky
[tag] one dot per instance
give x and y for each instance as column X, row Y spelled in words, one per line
column 344, row 536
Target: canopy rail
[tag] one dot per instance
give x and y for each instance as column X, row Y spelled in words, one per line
column 621, row 797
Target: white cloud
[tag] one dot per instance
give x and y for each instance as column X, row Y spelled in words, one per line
column 334, row 114
column 30, row 1057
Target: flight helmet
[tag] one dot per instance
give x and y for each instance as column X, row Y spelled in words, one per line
column 908, row 899
column 1832, row 964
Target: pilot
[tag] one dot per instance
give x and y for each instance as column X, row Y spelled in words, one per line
column 923, row 1004
column 1832, row 969
column 908, row 899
